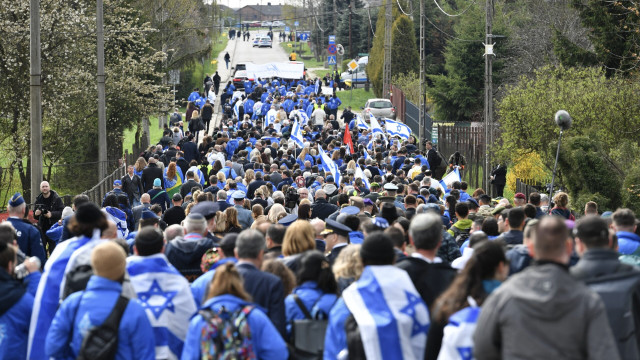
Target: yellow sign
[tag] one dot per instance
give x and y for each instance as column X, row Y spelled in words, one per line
column 289, row 45
column 214, row 62
column 352, row 65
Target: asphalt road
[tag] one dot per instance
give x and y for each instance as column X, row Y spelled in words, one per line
column 244, row 52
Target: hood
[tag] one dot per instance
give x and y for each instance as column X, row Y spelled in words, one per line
column 543, row 291
column 10, row 291
column 191, row 249
column 463, row 224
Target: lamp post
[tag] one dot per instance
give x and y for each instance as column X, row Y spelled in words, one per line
column 563, row 120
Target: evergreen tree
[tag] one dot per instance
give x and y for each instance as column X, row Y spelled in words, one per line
column 405, row 54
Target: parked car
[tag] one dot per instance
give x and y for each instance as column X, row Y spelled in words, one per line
column 358, row 76
column 380, row 108
column 277, row 23
column 266, row 23
column 262, row 41
column 255, row 24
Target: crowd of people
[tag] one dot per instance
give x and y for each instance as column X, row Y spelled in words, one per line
column 295, row 233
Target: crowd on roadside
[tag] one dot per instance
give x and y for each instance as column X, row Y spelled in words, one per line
column 320, row 237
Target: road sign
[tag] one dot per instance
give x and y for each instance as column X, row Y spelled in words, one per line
column 331, row 59
column 332, row 49
column 352, row 65
column 296, row 24
column 340, row 49
column 287, row 29
column 332, row 39
column 174, row 77
column 304, row 36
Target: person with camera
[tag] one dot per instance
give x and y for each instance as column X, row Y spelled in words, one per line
column 47, row 210
column 16, row 300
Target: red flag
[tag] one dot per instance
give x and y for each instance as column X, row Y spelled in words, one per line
column 347, row 139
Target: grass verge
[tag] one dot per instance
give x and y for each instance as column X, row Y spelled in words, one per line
column 306, row 51
column 355, row 100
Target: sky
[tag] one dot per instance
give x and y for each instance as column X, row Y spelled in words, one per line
column 236, row 4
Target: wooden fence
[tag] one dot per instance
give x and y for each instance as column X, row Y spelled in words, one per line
column 97, row 193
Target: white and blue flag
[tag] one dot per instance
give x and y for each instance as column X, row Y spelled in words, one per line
column 317, row 86
column 236, row 109
column 119, row 218
column 330, row 166
column 395, row 128
column 47, row 299
column 167, row 299
column 367, row 156
column 457, row 342
column 296, row 134
column 361, row 123
column 451, row 177
column 375, row 125
column 360, row 174
column 270, row 118
column 392, row 317
column 304, row 118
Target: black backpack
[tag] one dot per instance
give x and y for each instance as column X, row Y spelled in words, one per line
column 307, row 335
column 460, row 236
column 620, row 293
column 101, row 342
column 76, row 280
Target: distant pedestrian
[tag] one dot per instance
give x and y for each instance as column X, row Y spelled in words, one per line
column 227, row 59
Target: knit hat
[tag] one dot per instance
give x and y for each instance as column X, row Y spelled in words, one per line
column 157, row 183
column 88, row 213
column 109, row 260
column 377, row 248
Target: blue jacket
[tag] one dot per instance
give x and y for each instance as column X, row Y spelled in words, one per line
column 245, row 217
column 29, row 239
column 628, row 242
column 336, row 337
column 313, row 299
column 86, row 309
column 267, row 344
column 15, row 314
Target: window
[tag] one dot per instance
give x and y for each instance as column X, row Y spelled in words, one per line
column 380, row 104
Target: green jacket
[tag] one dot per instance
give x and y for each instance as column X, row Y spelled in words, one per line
column 463, row 225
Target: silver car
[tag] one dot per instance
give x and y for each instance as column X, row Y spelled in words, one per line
column 380, row 108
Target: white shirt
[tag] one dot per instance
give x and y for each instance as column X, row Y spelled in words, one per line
column 318, row 116
column 212, row 97
column 436, row 260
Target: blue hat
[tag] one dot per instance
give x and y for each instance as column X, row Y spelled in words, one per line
column 157, row 182
column 432, row 199
column 288, row 220
column 350, row 210
column 239, row 195
column 148, row 214
column 205, row 208
column 336, row 227
column 380, row 222
column 605, row 215
column 16, row 200
column 117, row 183
column 472, row 200
column 329, row 178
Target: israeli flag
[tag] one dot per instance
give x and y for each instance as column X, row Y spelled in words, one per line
column 361, row 123
column 375, row 125
column 330, row 166
column 395, row 128
column 451, row 178
column 392, row 317
column 199, row 174
column 120, row 218
column 317, row 86
column 296, row 134
column 304, row 118
column 457, row 342
column 367, row 156
column 236, row 109
column 360, row 174
column 270, row 118
column 167, row 300
column 47, row 299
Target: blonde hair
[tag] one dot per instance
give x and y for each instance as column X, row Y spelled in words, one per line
column 304, row 201
column 351, row 165
column 300, row 237
column 140, row 164
column 348, row 263
column 221, row 222
column 227, row 280
column 249, row 175
column 561, row 199
column 195, row 114
column 221, row 177
column 276, row 210
column 256, row 211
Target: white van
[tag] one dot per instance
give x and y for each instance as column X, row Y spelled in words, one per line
column 357, row 76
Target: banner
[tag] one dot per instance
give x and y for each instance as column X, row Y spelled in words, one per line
column 286, row 70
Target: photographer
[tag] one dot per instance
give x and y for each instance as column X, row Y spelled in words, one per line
column 47, row 210
column 291, row 200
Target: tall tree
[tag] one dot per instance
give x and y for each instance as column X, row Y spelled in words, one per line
column 406, row 57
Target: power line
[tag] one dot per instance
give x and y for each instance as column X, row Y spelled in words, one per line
column 404, row 12
column 453, row 15
column 370, row 24
column 449, row 35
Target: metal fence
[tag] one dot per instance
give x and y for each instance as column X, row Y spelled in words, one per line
column 409, row 113
column 528, row 186
column 97, row 193
column 468, row 139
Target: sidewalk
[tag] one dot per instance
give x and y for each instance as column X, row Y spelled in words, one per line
column 225, row 76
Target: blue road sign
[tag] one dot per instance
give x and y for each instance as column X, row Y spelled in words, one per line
column 287, row 29
column 332, row 49
column 332, row 39
column 304, row 36
column 296, row 24
column 331, row 59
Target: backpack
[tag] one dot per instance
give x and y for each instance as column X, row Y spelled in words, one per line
column 457, row 341
column 620, row 293
column 76, row 280
column 227, row 335
column 309, row 344
column 101, row 342
column 460, row 236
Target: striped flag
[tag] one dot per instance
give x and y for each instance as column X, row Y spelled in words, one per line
column 361, row 123
column 360, row 174
column 330, row 166
column 296, row 134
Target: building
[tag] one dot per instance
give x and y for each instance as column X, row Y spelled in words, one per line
column 260, row 12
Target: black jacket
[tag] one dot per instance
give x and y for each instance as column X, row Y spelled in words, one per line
column 186, row 254
column 187, row 186
column 53, row 204
column 499, row 175
column 253, row 186
column 430, row 280
column 183, row 164
column 190, row 150
column 267, row 291
column 150, row 173
column 131, row 186
column 174, row 215
column 321, row 209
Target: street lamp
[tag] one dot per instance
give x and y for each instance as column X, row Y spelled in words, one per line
column 563, row 120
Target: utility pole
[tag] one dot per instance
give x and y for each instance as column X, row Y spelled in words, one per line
column 421, row 110
column 488, row 92
column 350, row 44
column 35, row 90
column 102, row 112
column 386, row 72
column 335, row 19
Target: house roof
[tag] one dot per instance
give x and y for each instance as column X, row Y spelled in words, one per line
column 268, row 10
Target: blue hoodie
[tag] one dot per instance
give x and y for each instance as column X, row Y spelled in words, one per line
column 313, row 299
column 628, row 242
column 86, row 309
column 267, row 343
column 16, row 303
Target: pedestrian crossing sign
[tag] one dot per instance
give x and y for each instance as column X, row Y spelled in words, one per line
column 331, row 60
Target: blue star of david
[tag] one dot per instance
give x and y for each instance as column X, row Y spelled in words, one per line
column 399, row 128
column 410, row 310
column 156, row 290
column 465, row 353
